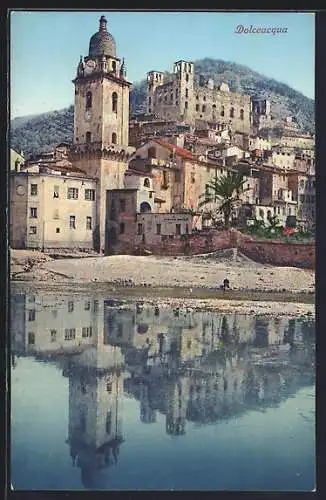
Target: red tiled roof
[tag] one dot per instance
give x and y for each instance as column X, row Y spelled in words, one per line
column 184, row 153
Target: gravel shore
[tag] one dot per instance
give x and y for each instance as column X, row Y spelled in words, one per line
column 182, row 272
column 189, row 274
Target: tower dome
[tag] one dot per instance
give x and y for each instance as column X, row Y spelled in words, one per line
column 102, row 42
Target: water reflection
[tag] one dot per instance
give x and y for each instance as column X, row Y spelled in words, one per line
column 186, row 365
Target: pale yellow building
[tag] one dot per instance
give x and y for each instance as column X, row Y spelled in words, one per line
column 52, row 208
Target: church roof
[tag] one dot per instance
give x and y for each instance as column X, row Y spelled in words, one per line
column 102, row 42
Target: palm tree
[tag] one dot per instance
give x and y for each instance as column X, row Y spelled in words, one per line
column 225, row 189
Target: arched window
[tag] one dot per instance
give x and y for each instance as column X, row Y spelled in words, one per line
column 269, row 214
column 186, row 105
column 241, row 114
column 222, row 111
column 232, row 113
column 88, row 137
column 186, row 93
column 149, row 101
column 261, row 213
column 88, row 100
column 197, row 107
column 147, row 183
column 145, row 207
column 214, row 107
column 203, row 108
column 187, row 78
column 151, row 152
column 204, row 98
column 114, row 66
column 114, row 102
column 114, row 138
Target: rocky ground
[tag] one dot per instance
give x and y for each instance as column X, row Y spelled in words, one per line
column 207, row 271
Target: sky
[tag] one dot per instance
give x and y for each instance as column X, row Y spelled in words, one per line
column 45, row 47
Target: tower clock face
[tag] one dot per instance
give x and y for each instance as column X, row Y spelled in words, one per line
column 20, row 190
column 90, row 66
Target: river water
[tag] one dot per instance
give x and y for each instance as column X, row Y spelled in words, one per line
column 110, row 395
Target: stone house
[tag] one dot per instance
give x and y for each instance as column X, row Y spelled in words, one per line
column 52, row 208
column 17, row 160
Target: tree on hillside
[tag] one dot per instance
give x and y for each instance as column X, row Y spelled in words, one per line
column 225, row 192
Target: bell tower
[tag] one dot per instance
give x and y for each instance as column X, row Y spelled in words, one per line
column 101, row 122
column 101, row 94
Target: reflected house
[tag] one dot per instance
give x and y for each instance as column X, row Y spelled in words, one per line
column 178, row 396
column 96, row 378
column 18, row 323
column 118, row 325
column 50, row 324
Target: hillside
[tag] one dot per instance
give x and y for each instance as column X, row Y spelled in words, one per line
column 42, row 132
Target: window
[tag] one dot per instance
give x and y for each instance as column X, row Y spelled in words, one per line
column 72, row 194
column 232, row 113
column 88, row 100
column 33, row 213
column 72, row 222
column 108, row 422
column 122, row 205
column 56, row 192
column 90, row 194
column 53, row 335
column 70, row 333
column 158, row 228
column 122, row 227
column 109, row 386
column 88, row 222
column 177, row 176
column 187, row 229
column 31, row 299
column 178, row 228
column 114, row 138
column 203, row 108
column 114, row 66
column 140, row 229
column 32, row 230
column 283, row 210
column 114, row 102
column 31, row 315
column 204, row 98
column 151, row 152
column 186, row 105
column 31, row 338
column 95, row 305
column 88, row 137
column 165, row 178
column 241, row 114
column 197, row 107
column 302, row 198
column 187, row 78
column 57, row 230
column 278, row 210
column 87, row 305
column 187, row 93
column 56, row 214
column 149, row 101
column 70, row 306
column 147, row 183
column 87, row 331
column 33, row 189
column 222, row 111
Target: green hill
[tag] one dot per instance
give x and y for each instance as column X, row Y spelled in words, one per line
column 42, row 132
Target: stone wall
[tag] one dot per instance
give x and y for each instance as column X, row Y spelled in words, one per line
column 273, row 252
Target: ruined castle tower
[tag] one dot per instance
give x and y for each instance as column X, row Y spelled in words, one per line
column 101, row 121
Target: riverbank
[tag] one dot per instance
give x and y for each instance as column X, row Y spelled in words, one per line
column 253, row 286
